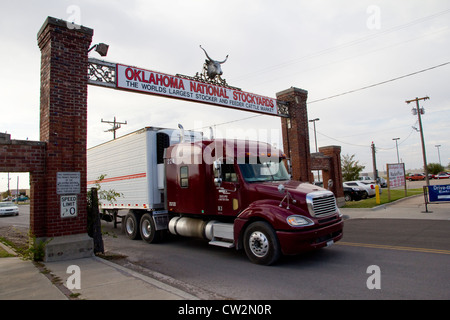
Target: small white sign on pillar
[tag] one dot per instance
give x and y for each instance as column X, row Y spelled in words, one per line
column 69, row 206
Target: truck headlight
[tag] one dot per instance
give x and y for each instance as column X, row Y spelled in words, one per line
column 299, row 221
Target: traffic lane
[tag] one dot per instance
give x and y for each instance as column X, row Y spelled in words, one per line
column 21, row 220
column 337, row 272
column 428, row 234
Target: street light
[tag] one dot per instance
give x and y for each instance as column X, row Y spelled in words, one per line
column 396, row 146
column 101, row 48
column 315, row 138
column 439, row 154
column 314, row 122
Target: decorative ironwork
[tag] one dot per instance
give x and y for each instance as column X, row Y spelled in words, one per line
column 283, row 108
column 102, row 73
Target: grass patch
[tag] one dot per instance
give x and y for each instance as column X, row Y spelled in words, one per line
column 371, row 202
column 4, row 253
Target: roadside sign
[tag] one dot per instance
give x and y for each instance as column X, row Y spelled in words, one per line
column 396, row 174
column 68, row 182
column 69, row 206
column 396, row 177
column 439, row 193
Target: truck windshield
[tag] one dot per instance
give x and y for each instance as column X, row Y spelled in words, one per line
column 265, row 171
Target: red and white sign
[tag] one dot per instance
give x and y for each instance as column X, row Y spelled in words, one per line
column 396, row 175
column 151, row 82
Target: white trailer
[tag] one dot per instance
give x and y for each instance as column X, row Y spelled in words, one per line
column 133, row 166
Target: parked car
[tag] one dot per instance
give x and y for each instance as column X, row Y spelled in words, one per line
column 366, row 179
column 443, row 175
column 354, row 193
column 20, row 198
column 382, row 182
column 8, row 208
column 416, row 177
column 369, row 188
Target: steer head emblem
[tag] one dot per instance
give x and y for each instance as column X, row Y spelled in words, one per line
column 213, row 68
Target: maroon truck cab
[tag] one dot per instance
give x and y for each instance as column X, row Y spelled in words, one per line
column 238, row 193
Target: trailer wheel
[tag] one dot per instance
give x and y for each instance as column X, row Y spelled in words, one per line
column 131, row 225
column 148, row 229
column 261, row 243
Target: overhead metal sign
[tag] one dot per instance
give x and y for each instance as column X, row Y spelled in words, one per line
column 140, row 80
column 136, row 79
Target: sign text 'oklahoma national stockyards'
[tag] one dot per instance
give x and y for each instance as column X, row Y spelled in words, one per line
column 151, row 82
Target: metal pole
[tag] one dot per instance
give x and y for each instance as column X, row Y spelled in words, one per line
column 439, row 154
column 315, row 138
column 421, row 136
column 396, row 146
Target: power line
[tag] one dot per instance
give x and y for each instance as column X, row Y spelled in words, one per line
column 341, row 94
column 379, row 83
column 340, row 46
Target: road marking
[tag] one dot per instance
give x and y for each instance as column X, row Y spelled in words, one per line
column 382, row 246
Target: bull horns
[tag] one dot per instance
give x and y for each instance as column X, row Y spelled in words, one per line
column 209, row 58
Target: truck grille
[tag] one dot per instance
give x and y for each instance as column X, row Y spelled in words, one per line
column 321, row 203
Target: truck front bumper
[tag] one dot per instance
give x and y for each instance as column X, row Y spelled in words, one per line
column 305, row 240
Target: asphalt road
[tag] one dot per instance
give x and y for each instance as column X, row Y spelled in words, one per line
column 413, row 259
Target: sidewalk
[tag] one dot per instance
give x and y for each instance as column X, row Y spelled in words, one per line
column 407, row 208
column 105, row 280
column 100, row 280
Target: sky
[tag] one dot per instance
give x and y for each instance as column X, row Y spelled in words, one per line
column 359, row 61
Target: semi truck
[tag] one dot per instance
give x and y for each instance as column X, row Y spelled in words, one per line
column 232, row 193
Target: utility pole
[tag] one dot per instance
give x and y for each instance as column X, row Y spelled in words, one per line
column 116, row 126
column 374, row 162
column 396, row 146
column 420, row 111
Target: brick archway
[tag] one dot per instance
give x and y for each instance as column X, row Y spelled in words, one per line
column 63, row 141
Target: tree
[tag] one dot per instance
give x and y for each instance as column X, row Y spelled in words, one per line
column 435, row 168
column 351, row 168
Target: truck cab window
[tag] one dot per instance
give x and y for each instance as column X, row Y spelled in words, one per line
column 228, row 173
column 184, row 177
column 264, row 171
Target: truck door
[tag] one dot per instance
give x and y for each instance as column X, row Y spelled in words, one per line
column 227, row 190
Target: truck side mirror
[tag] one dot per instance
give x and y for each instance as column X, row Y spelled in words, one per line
column 218, row 181
column 289, row 166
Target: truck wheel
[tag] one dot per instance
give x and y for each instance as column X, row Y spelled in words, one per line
column 261, row 243
column 148, row 229
column 131, row 225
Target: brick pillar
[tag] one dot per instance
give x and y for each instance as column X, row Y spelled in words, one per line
column 296, row 133
column 334, row 173
column 63, row 126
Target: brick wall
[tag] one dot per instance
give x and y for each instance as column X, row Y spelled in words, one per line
column 63, row 117
column 296, row 133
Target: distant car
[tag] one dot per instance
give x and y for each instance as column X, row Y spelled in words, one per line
column 354, row 193
column 416, row 177
column 443, row 175
column 8, row 209
column 383, row 182
column 366, row 179
column 21, row 198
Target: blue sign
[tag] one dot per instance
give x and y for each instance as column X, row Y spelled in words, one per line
column 439, row 193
